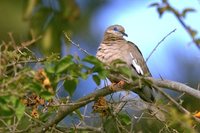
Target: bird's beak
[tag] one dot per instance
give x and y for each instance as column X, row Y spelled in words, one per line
column 123, row 33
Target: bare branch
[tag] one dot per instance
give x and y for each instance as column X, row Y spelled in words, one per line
column 159, row 44
column 27, row 61
column 176, row 86
column 81, row 128
column 75, row 44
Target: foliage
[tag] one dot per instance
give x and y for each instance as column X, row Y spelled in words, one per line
column 24, row 88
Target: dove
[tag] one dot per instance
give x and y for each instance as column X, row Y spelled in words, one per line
column 115, row 47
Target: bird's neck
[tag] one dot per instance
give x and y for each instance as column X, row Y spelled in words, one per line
column 110, row 37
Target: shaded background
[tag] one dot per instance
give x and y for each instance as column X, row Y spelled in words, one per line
column 176, row 58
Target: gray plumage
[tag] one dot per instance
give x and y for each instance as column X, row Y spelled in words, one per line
column 114, row 46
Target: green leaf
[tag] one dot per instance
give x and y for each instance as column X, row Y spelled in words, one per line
column 96, row 79
column 125, row 71
column 5, row 111
column 103, row 74
column 50, row 67
column 70, row 85
column 92, row 59
column 20, row 108
column 64, row 63
column 83, row 75
column 2, row 100
column 125, row 119
column 98, row 66
column 46, row 95
column 35, row 86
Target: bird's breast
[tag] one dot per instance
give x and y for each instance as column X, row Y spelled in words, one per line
column 108, row 53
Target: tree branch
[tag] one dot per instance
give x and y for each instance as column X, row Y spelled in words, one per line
column 176, row 86
column 63, row 111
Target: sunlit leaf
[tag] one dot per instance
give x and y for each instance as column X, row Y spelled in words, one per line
column 92, row 59
column 83, row 75
column 20, row 108
column 64, row 63
column 50, row 67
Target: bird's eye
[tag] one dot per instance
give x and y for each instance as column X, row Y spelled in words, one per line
column 115, row 29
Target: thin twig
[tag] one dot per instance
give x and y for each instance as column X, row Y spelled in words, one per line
column 8, row 127
column 75, row 44
column 28, row 43
column 27, row 61
column 159, row 44
column 40, row 122
column 177, row 104
column 12, row 38
column 172, row 100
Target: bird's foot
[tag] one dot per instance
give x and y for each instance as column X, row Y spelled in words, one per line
column 117, row 86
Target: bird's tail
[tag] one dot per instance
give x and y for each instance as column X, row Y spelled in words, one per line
column 147, row 94
column 150, row 96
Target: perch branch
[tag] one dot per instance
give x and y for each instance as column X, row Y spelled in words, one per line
column 176, row 86
column 63, row 111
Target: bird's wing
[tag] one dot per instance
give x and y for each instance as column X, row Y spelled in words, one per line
column 137, row 60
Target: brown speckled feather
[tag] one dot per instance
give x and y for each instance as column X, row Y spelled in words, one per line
column 114, row 47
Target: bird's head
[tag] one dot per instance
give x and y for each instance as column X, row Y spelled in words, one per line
column 116, row 31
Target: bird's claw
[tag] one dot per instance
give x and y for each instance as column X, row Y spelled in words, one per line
column 117, row 86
